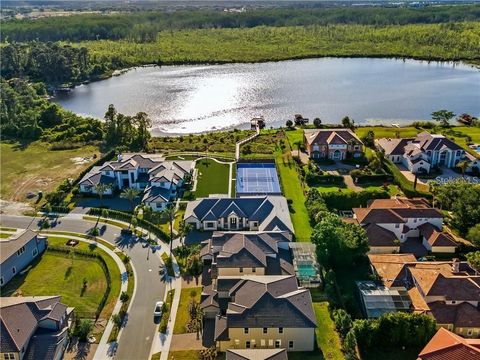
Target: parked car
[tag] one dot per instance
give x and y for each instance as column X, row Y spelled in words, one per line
column 158, row 308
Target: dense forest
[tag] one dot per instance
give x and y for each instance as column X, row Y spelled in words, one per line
column 144, row 26
column 26, row 114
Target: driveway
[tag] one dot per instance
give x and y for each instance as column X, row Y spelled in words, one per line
column 140, row 329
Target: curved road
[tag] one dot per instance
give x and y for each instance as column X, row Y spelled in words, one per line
column 140, row 329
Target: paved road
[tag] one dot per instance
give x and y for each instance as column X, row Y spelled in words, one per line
column 140, row 328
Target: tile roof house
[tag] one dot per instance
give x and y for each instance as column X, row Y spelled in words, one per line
column 447, row 290
column 34, row 328
column 408, row 225
column 256, row 213
column 446, row 345
column 266, row 312
column 18, row 251
column 334, row 144
column 159, row 178
column 424, row 152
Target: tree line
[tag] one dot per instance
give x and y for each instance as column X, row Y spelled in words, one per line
column 144, row 26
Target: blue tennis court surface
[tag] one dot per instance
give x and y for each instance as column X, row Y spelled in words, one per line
column 257, row 179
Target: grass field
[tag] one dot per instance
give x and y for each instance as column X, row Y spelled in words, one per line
column 388, row 132
column 212, row 178
column 182, row 312
column 327, row 337
column 37, row 168
column 56, row 274
column 292, row 189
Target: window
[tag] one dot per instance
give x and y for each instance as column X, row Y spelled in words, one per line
column 278, row 343
column 247, row 344
column 459, row 152
column 9, row 356
column 262, row 343
column 14, row 270
column 241, row 269
column 290, row 344
column 280, row 330
column 254, row 270
column 21, row 250
column 397, row 226
column 245, row 330
column 34, row 252
column 265, row 330
column 414, row 220
column 237, row 342
column 469, row 332
column 270, row 342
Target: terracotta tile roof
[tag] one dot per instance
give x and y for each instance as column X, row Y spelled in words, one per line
column 436, row 237
column 445, row 345
column 389, row 266
column 378, row 236
column 460, row 315
column 418, row 302
column 334, row 136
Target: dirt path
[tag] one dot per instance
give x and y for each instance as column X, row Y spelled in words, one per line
column 350, row 184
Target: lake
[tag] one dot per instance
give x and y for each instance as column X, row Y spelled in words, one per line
column 190, row 99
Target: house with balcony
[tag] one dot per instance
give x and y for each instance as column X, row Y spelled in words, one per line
column 406, row 225
column 158, row 178
column 449, row 291
column 255, row 213
column 333, row 144
column 424, row 152
column 34, row 327
column 18, row 251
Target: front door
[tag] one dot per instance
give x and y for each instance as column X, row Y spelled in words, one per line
column 233, row 223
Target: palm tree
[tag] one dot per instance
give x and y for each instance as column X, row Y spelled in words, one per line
column 463, row 165
column 433, row 187
column 169, row 213
column 101, row 189
column 130, row 194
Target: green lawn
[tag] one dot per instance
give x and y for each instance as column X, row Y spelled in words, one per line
column 212, row 178
column 184, row 355
column 292, row 189
column 388, row 132
column 182, row 313
column 327, row 337
column 35, row 168
column 56, row 274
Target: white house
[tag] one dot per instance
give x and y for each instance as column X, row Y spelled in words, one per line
column 159, row 179
column 424, row 152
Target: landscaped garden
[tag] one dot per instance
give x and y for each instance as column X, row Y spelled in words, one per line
column 183, row 314
column 212, row 178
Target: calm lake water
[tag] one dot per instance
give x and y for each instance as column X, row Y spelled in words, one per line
column 188, row 99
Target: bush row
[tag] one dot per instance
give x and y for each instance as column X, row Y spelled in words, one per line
column 315, row 180
column 349, row 200
column 402, row 182
column 127, row 217
column 367, row 178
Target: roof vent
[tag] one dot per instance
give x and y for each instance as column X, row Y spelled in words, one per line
column 456, row 266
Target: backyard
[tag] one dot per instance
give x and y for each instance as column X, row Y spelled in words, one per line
column 212, row 178
column 36, row 168
column 327, row 338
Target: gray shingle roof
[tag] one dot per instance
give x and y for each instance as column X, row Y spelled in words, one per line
column 10, row 246
column 270, row 301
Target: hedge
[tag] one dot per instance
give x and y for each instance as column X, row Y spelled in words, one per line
column 127, row 217
column 103, row 264
column 402, row 182
column 367, row 178
column 313, row 180
column 348, row 200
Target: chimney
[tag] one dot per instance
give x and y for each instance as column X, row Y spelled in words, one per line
column 119, row 157
column 456, row 266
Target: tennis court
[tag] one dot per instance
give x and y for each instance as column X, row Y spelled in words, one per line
column 257, row 179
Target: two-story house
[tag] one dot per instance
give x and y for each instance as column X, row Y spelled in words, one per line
column 401, row 224
column 256, row 213
column 334, row 144
column 34, row 328
column 266, row 312
column 158, row 178
column 18, row 251
column 424, row 152
column 447, row 290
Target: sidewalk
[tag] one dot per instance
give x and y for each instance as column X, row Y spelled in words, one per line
column 162, row 342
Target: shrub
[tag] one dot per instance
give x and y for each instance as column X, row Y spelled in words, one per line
column 83, row 329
